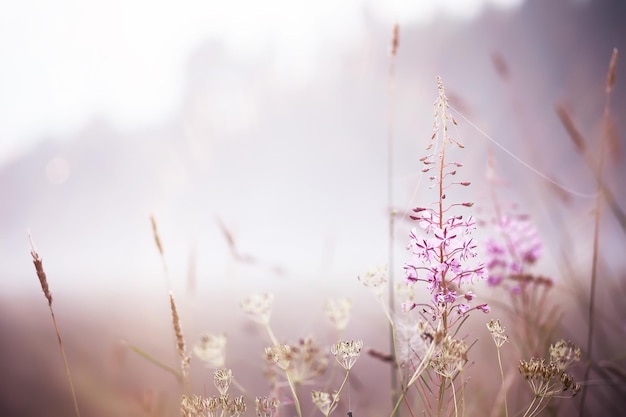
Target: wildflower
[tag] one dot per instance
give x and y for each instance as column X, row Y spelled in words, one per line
column 193, row 406
column 211, row 350
column 281, row 355
column 347, row 352
column 563, row 354
column 258, row 307
column 222, row 379
column 237, row 407
column 519, row 247
column 375, row 279
column 308, row 360
column 324, row 401
column 266, row 407
column 497, row 332
column 338, row 312
column 545, row 379
column 196, row 406
column 450, row 357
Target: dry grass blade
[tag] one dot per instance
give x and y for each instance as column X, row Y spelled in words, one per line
column 43, row 280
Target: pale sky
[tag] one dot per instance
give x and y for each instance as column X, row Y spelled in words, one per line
column 67, row 62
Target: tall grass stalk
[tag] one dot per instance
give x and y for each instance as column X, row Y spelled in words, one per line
column 43, row 280
column 392, row 212
column 599, row 199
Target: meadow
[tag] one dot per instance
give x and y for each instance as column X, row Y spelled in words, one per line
column 466, row 321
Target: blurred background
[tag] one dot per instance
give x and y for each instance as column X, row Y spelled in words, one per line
column 256, row 134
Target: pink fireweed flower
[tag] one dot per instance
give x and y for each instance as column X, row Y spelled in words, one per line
column 444, row 254
column 514, row 250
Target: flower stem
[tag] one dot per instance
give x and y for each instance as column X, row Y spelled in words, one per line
column 506, row 407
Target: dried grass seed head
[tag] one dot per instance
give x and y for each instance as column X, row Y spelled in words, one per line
column 41, row 274
column 180, row 339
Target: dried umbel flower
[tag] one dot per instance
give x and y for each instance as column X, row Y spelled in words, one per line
column 281, row 355
column 375, row 278
column 497, row 332
column 266, row 407
column 211, row 350
column 546, row 380
column 307, row 362
column 237, row 407
column 258, row 307
column 564, row 353
column 222, row 379
column 338, row 312
column 324, row 401
column 347, row 352
column 196, row 406
column 450, row 357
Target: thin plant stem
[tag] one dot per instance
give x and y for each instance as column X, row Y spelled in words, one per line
column 596, row 232
column 271, row 334
column 532, row 403
column 155, row 361
column 456, row 410
column 414, row 377
column 67, row 367
column 43, row 280
column 506, row 407
column 296, row 401
column 345, row 379
column 392, row 338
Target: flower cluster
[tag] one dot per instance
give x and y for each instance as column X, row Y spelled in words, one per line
column 266, row 407
column 325, row 401
column 515, row 251
column 197, row 406
column 442, row 259
column 347, row 352
column 549, row 379
column 444, row 252
column 304, row 360
column 211, row 350
column 258, row 307
column 497, row 332
column 338, row 312
column 450, row 357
